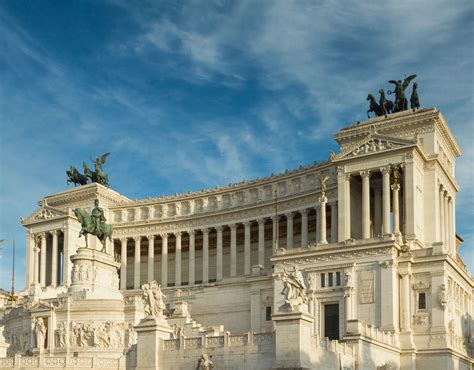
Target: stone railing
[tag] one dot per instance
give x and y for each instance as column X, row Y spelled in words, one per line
column 355, row 327
column 332, row 345
column 225, row 340
column 66, row 362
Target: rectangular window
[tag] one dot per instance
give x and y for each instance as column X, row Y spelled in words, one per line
column 268, row 313
column 338, row 278
column 323, row 281
column 330, row 279
column 422, row 301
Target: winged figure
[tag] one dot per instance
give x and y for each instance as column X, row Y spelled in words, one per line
column 401, row 102
column 100, row 175
column 322, row 185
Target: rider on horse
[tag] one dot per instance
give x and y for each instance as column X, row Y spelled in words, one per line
column 98, row 219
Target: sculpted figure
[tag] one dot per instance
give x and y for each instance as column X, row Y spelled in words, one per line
column 153, row 300
column 94, row 224
column 205, row 363
column 348, row 279
column 414, row 100
column 60, row 335
column 294, row 290
column 40, row 333
column 396, row 174
column 401, row 103
column 323, row 186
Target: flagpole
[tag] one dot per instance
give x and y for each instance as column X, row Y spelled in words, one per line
column 12, row 294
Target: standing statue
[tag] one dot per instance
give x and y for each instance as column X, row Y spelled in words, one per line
column 414, row 100
column 205, row 363
column 94, row 224
column 323, row 186
column 294, row 290
column 153, row 300
column 76, row 177
column 396, row 174
column 401, row 102
column 40, row 333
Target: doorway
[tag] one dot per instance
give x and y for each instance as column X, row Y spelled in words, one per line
column 331, row 321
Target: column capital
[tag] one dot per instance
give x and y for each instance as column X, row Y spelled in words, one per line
column 164, row 236
column 275, row 218
column 289, row 215
column 219, row 228
column 395, row 187
column 137, row 238
column 441, row 187
column 233, row 226
column 247, row 223
column 150, row 237
column 177, row 233
column 205, row 231
column 323, row 199
column 123, row 239
column 261, row 221
column 385, row 170
column 191, row 232
column 365, row 173
column 54, row 232
column 303, row 211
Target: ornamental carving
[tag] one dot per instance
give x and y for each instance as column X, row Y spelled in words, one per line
column 83, row 273
column 107, row 334
column 294, row 290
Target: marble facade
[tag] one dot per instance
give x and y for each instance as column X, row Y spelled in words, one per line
column 376, row 255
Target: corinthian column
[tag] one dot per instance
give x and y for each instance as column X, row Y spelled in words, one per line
column 386, row 199
column 123, row 263
column 54, row 260
column 164, row 260
column 261, row 241
column 219, row 253
column 151, row 257
column 365, row 204
column 177, row 268
column 247, row 225
column 36, row 259
column 233, row 250
column 289, row 230
column 322, row 219
column 441, row 214
column 192, row 256
column 136, row 272
column 333, row 222
column 304, row 228
column 205, row 256
column 43, row 260
column 396, row 209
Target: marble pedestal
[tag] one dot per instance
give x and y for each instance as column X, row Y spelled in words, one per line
column 293, row 340
column 151, row 332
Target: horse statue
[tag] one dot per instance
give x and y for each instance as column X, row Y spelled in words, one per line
column 76, row 177
column 385, row 105
column 89, row 227
column 89, row 174
column 414, row 99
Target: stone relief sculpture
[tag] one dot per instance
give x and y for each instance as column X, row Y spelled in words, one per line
column 40, row 333
column 153, row 300
column 294, row 290
column 205, row 363
column 443, row 296
column 347, row 279
column 107, row 334
column 60, row 335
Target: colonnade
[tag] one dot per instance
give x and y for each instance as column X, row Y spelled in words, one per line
column 47, row 258
column 447, row 232
column 319, row 229
column 386, row 200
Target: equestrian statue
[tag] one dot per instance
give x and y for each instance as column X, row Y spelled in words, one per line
column 94, row 224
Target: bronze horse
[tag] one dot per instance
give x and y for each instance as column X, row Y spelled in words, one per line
column 76, row 177
column 383, row 109
column 88, row 228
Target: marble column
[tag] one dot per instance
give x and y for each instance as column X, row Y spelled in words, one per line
column 333, row 222
column 247, row 225
column 348, row 304
column 219, row 261
column 123, row 263
column 43, row 260
column 177, row 259
column 386, row 199
column 378, row 214
column 164, row 260
column 365, row 204
column 304, row 228
column 441, row 213
column 275, row 233
column 396, row 209
column 36, row 259
column 205, row 256
column 289, row 230
column 30, row 247
column 233, row 250
column 151, row 258
column 192, row 257
column 54, row 259
column 344, row 204
column 137, row 261
column 322, row 220
column 261, row 241
column 452, row 220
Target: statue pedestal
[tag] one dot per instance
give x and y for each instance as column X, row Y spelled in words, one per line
column 293, row 340
column 151, row 332
column 94, row 275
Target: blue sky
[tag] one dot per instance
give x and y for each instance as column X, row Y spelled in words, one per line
column 191, row 95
